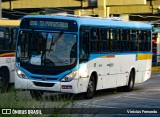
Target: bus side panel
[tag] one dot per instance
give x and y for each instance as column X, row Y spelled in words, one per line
column 101, row 67
column 107, row 79
column 147, row 72
column 138, row 77
column 143, row 65
column 139, row 71
column 123, row 66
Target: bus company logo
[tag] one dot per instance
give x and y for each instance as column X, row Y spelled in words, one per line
column 43, row 78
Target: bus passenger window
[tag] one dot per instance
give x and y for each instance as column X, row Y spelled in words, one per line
column 7, row 33
column 13, row 38
column 6, row 39
column 94, row 40
column 125, row 40
column 85, row 43
column 1, row 38
column 115, row 40
column 148, row 43
column 143, row 41
column 1, row 35
column 104, row 42
column 134, row 40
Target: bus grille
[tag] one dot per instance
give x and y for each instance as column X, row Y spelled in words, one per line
column 44, row 84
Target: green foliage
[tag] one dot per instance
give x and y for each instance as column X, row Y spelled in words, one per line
column 22, row 100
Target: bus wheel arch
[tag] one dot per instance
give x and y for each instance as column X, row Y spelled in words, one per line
column 92, row 84
column 95, row 77
column 131, row 80
column 4, row 78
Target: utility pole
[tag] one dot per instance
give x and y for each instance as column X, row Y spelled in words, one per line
column 10, row 4
column 0, row 9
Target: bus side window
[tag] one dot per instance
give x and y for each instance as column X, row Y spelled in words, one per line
column 125, row 40
column 115, row 40
column 104, row 40
column 84, row 44
column 134, row 40
column 148, row 43
column 1, row 38
column 94, row 39
column 142, row 40
column 13, row 38
column 6, row 39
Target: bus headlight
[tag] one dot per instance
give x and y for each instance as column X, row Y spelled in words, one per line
column 70, row 77
column 21, row 74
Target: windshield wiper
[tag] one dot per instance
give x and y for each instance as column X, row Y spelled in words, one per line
column 54, row 40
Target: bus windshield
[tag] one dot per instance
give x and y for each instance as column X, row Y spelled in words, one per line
column 49, row 49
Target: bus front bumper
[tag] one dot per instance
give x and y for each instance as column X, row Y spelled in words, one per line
column 68, row 87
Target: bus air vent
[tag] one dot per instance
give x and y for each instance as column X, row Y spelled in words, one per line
column 42, row 84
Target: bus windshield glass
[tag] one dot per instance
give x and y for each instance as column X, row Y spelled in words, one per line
column 49, row 49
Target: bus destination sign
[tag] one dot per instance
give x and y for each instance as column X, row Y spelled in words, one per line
column 49, row 24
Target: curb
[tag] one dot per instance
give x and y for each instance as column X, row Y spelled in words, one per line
column 156, row 69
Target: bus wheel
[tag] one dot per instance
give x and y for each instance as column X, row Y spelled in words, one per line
column 130, row 85
column 91, row 88
column 4, row 80
column 36, row 94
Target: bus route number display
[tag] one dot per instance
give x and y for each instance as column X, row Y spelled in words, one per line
column 49, row 24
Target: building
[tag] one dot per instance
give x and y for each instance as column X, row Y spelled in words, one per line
column 137, row 10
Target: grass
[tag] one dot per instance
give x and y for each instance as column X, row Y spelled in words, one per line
column 22, row 100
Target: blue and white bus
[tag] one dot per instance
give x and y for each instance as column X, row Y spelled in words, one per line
column 74, row 54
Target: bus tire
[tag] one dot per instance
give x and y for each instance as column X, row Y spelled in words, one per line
column 91, row 88
column 130, row 85
column 36, row 94
column 4, row 80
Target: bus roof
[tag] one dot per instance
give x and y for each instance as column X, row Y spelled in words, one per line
column 87, row 21
column 9, row 22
